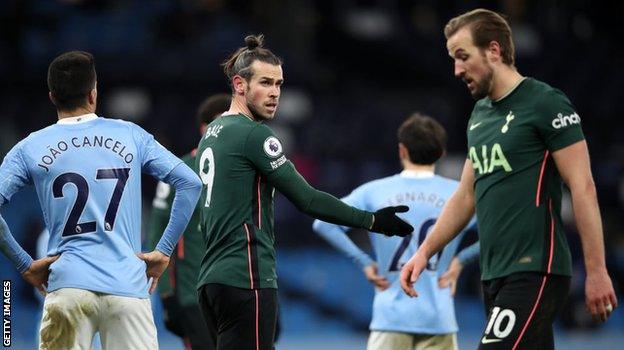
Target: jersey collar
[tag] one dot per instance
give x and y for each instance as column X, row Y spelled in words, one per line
column 417, row 174
column 78, row 119
column 510, row 91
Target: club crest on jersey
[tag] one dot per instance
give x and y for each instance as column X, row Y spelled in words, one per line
column 272, row 146
column 508, row 120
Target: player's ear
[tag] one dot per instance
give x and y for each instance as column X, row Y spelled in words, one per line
column 403, row 153
column 493, row 51
column 202, row 128
column 93, row 96
column 239, row 84
column 51, row 97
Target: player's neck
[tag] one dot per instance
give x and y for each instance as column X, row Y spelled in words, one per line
column 75, row 112
column 240, row 107
column 409, row 166
column 505, row 80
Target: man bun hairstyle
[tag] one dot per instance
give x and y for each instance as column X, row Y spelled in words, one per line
column 71, row 77
column 212, row 107
column 485, row 26
column 239, row 63
column 252, row 41
column 424, row 138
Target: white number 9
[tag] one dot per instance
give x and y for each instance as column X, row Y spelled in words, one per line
column 207, row 177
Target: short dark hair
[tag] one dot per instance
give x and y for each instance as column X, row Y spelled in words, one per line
column 424, row 138
column 212, row 107
column 239, row 63
column 71, row 77
column 485, row 26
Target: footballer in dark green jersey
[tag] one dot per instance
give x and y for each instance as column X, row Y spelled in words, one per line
column 524, row 141
column 177, row 286
column 241, row 163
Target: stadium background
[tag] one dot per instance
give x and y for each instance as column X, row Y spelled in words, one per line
column 354, row 70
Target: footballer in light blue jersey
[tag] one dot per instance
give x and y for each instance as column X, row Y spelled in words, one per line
column 393, row 310
column 86, row 171
column 421, row 144
column 87, row 174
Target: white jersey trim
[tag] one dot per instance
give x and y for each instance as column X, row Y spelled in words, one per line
column 78, row 119
column 417, row 174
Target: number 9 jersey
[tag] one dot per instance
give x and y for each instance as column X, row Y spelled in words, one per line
column 87, row 174
column 236, row 160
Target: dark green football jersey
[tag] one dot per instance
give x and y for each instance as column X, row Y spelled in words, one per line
column 517, row 185
column 181, row 277
column 241, row 162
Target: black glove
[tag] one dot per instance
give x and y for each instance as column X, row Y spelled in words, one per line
column 385, row 221
column 172, row 315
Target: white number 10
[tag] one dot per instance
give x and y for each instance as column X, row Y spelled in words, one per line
column 207, row 177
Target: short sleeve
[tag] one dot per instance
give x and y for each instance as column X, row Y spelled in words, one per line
column 558, row 123
column 13, row 172
column 156, row 160
column 265, row 150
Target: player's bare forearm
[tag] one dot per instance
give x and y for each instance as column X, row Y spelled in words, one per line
column 455, row 215
column 589, row 225
column 574, row 166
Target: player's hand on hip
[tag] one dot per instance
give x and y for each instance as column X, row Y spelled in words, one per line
column 411, row 271
column 449, row 278
column 156, row 262
column 38, row 273
column 387, row 222
column 379, row 281
column 600, row 298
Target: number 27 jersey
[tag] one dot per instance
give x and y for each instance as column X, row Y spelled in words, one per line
column 87, row 175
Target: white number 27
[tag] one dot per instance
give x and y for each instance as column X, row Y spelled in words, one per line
column 207, row 177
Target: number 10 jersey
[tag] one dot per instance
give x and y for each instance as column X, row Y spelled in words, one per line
column 87, row 174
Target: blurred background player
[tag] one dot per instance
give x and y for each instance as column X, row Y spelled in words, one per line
column 178, row 285
column 86, row 171
column 524, row 138
column 400, row 322
column 241, row 164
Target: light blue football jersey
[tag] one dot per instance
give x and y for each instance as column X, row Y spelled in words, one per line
column 87, row 174
column 433, row 311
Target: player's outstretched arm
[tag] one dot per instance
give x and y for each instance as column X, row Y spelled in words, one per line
column 387, row 222
column 454, row 217
column 326, row 207
column 573, row 165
